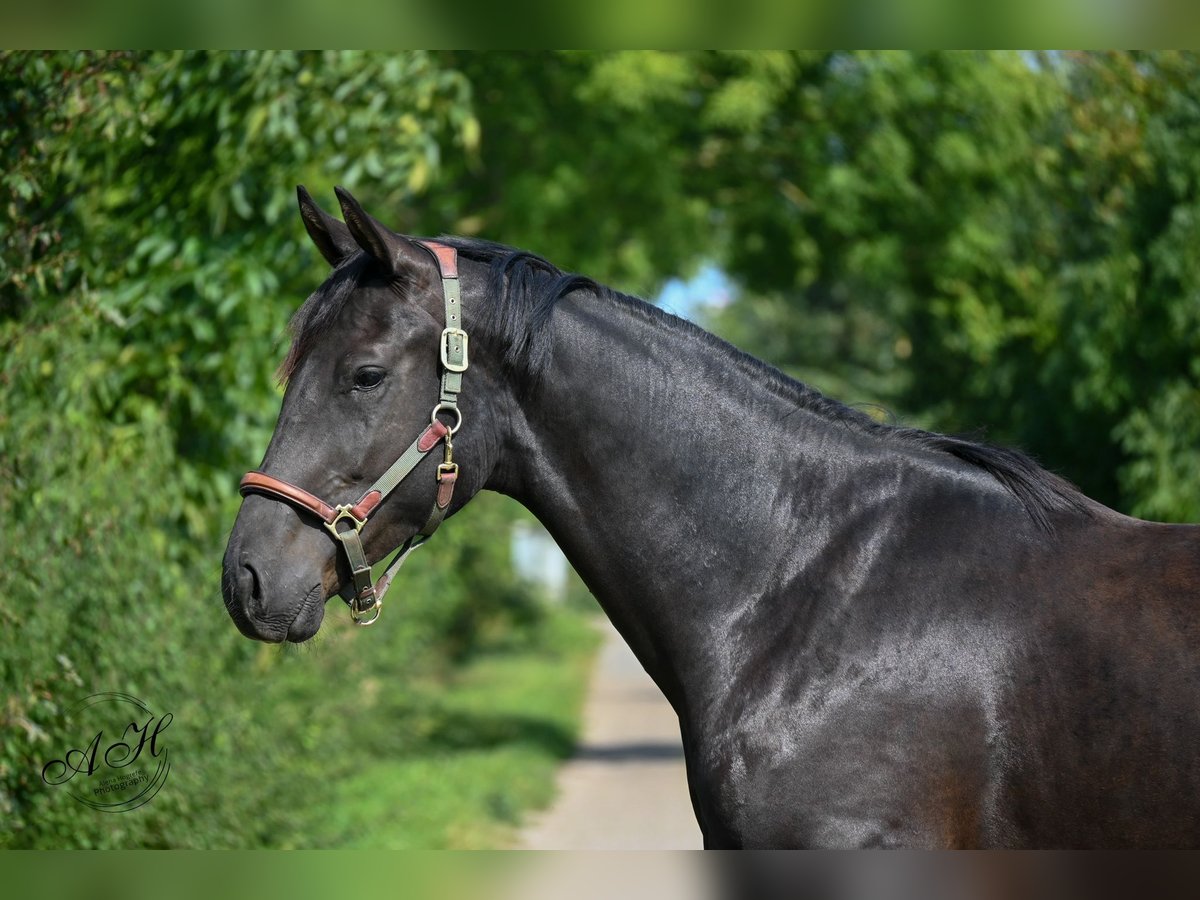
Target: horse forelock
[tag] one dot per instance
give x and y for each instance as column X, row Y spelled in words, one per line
column 318, row 313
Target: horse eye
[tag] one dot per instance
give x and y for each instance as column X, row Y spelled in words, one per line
column 367, row 379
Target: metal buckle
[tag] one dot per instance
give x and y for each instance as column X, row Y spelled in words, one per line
column 365, row 622
column 356, row 610
column 365, row 600
column 447, row 334
column 344, row 512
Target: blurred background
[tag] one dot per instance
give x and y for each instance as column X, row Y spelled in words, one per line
column 957, row 241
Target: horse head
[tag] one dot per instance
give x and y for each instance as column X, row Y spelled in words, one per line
column 378, row 357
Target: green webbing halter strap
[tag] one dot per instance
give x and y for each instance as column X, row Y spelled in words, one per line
column 453, row 356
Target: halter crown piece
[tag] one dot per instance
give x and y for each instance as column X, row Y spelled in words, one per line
column 346, row 521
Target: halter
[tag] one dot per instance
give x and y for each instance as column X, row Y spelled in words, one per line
column 346, row 521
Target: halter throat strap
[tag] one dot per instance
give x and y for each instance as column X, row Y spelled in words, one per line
column 345, row 522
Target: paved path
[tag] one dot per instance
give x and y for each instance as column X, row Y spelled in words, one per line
column 625, row 788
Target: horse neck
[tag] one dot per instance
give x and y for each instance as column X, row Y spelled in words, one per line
column 673, row 478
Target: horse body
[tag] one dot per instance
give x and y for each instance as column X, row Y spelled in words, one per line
column 872, row 636
column 867, row 643
column 1031, row 712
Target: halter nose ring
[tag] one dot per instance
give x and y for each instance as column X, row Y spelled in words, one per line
column 447, row 407
column 344, row 512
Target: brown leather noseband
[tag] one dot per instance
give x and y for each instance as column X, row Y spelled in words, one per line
column 345, row 522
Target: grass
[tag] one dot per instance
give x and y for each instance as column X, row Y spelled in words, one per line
column 479, row 749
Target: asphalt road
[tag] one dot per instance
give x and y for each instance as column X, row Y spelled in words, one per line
column 625, row 788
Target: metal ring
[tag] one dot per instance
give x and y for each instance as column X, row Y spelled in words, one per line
column 344, row 512
column 447, row 406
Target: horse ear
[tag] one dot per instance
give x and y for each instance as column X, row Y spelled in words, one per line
column 331, row 236
column 393, row 250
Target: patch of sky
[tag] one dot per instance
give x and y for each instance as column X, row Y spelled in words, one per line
column 710, row 288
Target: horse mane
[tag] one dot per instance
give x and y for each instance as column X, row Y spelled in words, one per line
column 525, row 288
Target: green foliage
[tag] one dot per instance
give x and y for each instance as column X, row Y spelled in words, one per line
column 451, row 762
column 580, row 160
column 995, row 240
column 151, row 258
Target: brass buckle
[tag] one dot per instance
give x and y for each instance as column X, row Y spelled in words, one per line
column 356, row 612
column 447, row 334
column 365, row 622
column 344, row 512
column 365, row 600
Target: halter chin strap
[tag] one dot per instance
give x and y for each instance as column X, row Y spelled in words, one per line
column 345, row 522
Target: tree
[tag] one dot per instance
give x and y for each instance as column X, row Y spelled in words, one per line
column 995, row 240
column 151, row 258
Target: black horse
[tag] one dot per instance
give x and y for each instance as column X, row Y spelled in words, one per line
column 872, row 635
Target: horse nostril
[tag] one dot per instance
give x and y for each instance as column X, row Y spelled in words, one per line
column 255, row 586
column 238, row 585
